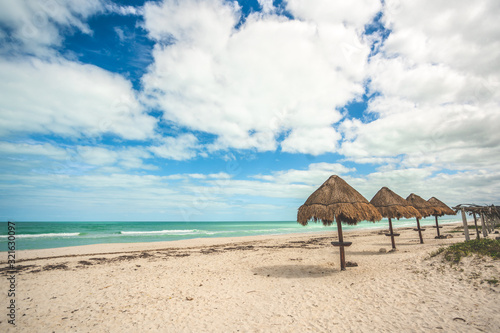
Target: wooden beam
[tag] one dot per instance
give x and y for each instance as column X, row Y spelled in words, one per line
column 466, row 227
column 483, row 226
column 341, row 244
column 475, row 223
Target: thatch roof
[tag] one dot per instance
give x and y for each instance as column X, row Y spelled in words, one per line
column 337, row 200
column 440, row 206
column 421, row 205
column 391, row 205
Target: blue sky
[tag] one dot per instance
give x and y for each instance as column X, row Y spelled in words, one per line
column 217, row 110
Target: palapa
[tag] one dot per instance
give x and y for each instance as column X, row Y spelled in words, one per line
column 391, row 205
column 440, row 209
column 336, row 200
column 424, row 208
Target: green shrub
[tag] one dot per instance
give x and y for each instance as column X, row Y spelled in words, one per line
column 482, row 247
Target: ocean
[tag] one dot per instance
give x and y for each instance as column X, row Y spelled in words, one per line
column 44, row 235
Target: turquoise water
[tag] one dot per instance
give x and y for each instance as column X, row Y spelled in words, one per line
column 43, row 235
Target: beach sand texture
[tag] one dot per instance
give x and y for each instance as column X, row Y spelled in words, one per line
column 287, row 283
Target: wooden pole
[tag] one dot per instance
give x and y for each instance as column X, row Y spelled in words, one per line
column 475, row 223
column 420, row 232
column 392, row 234
column 466, row 227
column 341, row 241
column 491, row 221
column 483, row 226
column 437, row 226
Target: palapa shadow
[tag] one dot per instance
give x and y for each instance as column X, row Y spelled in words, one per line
column 294, row 271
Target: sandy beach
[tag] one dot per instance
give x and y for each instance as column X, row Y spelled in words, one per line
column 284, row 283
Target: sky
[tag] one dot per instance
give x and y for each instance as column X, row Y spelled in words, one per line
column 213, row 110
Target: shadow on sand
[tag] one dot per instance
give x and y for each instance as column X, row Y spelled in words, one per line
column 296, row 271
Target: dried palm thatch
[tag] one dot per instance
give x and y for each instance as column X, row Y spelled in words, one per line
column 423, row 207
column 336, row 200
column 440, row 207
column 391, row 205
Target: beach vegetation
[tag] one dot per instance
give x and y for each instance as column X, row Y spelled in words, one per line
column 481, row 247
column 492, row 281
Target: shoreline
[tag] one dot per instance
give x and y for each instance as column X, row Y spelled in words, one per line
column 119, row 248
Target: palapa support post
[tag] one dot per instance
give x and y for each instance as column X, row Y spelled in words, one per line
column 437, row 226
column 483, row 226
column 341, row 246
column 328, row 204
column 466, row 227
column 420, row 232
column 392, row 234
column 475, row 223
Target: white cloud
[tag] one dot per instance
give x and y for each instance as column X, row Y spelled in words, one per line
column 355, row 12
column 314, row 140
column 183, row 147
column 35, row 25
column 248, row 86
column 463, row 35
column 315, row 174
column 266, row 5
column 437, row 90
column 32, row 149
column 69, row 99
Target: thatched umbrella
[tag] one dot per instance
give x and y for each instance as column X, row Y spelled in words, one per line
column 391, row 205
column 440, row 210
column 337, row 200
column 423, row 207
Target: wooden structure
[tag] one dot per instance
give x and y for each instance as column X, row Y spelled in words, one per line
column 423, row 208
column 391, row 205
column 336, row 200
column 490, row 217
column 440, row 209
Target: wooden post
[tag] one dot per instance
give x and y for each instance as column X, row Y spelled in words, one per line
column 420, row 232
column 487, row 223
column 466, row 227
column 341, row 241
column 483, row 226
column 437, row 226
column 392, row 235
column 475, row 223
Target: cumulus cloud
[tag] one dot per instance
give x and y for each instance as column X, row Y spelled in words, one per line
column 69, row 99
column 35, row 25
column 436, row 81
column 356, row 13
column 273, row 76
column 463, row 35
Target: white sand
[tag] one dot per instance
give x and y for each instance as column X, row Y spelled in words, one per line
column 260, row 284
